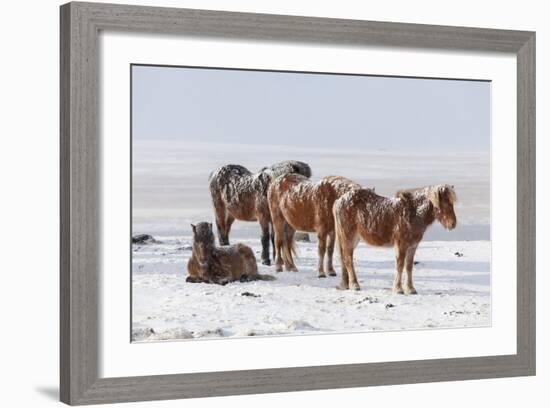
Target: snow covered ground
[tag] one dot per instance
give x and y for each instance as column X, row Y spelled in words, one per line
column 452, row 279
column 170, row 192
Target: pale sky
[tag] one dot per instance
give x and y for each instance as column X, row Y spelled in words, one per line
column 296, row 109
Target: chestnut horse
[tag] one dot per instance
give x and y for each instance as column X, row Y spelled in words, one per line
column 210, row 264
column 239, row 194
column 399, row 221
column 299, row 204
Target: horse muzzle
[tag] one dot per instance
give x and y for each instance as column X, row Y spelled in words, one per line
column 451, row 225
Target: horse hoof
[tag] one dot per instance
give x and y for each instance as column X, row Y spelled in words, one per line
column 278, row 269
column 398, row 291
column 332, row 273
column 411, row 291
column 355, row 286
column 321, row 276
column 266, row 262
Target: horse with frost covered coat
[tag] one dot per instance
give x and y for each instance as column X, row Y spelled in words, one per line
column 238, row 194
column 296, row 203
column 398, row 221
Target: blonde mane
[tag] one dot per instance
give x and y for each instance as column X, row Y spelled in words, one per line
column 434, row 193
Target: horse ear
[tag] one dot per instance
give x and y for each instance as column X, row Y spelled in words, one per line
column 194, row 228
column 210, row 224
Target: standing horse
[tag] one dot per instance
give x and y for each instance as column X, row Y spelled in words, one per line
column 239, row 194
column 305, row 206
column 400, row 221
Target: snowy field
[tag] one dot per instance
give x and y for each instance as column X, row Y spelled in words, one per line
column 170, row 192
column 453, row 292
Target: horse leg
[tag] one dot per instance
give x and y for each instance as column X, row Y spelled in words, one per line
column 288, row 242
column 409, row 262
column 272, row 235
column 330, row 253
column 321, row 249
column 400, row 253
column 278, row 239
column 344, row 284
column 229, row 219
column 265, row 238
column 222, row 224
column 347, row 253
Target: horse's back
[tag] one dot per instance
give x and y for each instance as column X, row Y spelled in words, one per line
column 363, row 212
column 306, row 205
column 244, row 250
column 240, row 258
column 225, row 174
column 341, row 184
column 347, row 206
column 233, row 187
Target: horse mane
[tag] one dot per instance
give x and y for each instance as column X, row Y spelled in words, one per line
column 433, row 193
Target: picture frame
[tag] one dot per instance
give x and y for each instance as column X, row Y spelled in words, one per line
column 80, row 156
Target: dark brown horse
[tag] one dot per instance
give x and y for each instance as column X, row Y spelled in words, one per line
column 237, row 194
column 399, row 222
column 299, row 204
column 210, row 264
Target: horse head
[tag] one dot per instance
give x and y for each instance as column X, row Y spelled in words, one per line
column 443, row 197
column 203, row 242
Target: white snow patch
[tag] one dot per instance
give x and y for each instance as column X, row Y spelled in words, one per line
column 453, row 292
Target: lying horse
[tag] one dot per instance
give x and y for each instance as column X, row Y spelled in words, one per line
column 400, row 221
column 239, row 194
column 222, row 265
column 305, row 206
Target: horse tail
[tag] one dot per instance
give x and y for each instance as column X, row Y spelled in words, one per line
column 265, row 277
column 289, row 244
column 337, row 234
column 272, row 237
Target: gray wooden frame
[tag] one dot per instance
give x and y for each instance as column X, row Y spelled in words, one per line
column 80, row 158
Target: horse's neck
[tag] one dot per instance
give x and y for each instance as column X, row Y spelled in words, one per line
column 423, row 211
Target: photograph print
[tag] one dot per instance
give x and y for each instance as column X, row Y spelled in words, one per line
column 271, row 203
